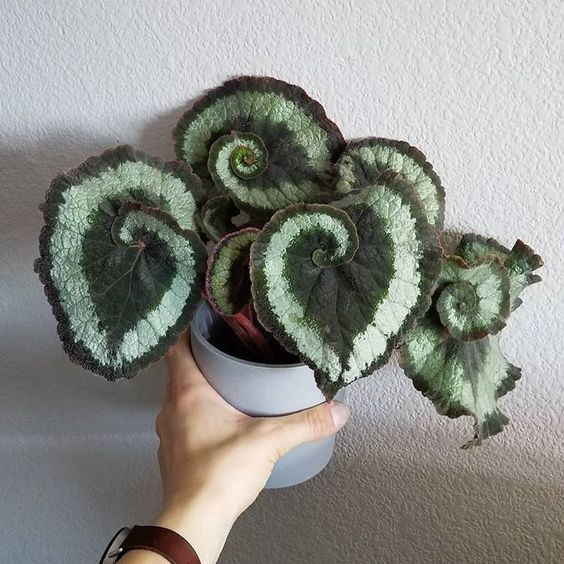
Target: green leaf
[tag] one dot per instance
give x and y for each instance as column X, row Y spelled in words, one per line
column 460, row 377
column 521, row 261
column 121, row 267
column 240, row 155
column 267, row 143
column 228, row 283
column 462, row 369
column 216, row 217
column 363, row 162
column 338, row 284
column 473, row 301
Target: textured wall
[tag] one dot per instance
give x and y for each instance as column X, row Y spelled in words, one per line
column 477, row 85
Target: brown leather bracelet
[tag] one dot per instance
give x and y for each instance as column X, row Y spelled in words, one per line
column 167, row 543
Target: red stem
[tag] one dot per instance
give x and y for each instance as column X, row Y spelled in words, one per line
column 249, row 333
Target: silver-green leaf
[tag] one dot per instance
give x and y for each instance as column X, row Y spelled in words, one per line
column 338, row 284
column 453, row 354
column 521, row 261
column 473, row 301
column 263, row 141
column 364, row 161
column 228, row 283
column 216, row 217
column 121, row 266
column 460, row 377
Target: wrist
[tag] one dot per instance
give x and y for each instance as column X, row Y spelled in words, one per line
column 203, row 521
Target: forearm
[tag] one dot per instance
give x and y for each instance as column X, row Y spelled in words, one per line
column 215, row 460
column 204, row 524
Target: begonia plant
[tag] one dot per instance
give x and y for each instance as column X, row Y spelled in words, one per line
column 320, row 250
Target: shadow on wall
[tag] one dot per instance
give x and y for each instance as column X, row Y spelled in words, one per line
column 71, row 492
column 42, row 391
column 88, row 442
column 377, row 507
column 69, row 439
column 371, row 507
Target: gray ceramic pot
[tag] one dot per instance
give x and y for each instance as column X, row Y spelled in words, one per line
column 264, row 390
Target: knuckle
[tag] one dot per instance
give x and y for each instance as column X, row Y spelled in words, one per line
column 182, row 400
column 268, row 435
column 316, row 422
column 265, row 432
column 160, row 424
column 266, row 427
column 188, row 397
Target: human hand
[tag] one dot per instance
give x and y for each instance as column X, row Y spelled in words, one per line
column 214, row 459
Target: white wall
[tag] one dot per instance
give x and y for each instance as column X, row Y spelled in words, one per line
column 477, row 85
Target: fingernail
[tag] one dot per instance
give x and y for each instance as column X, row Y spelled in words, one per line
column 339, row 413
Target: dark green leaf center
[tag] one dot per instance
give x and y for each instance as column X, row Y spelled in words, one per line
column 249, row 159
column 127, row 273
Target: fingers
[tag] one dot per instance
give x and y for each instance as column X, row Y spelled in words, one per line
column 186, row 381
column 182, row 367
column 313, row 424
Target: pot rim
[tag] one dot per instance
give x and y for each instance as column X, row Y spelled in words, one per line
column 197, row 333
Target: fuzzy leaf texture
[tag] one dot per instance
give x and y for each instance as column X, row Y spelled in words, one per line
column 228, row 283
column 216, row 217
column 228, row 291
column 460, row 377
column 364, row 161
column 473, row 301
column 262, row 141
column 521, row 261
column 453, row 355
column 121, row 264
column 337, row 284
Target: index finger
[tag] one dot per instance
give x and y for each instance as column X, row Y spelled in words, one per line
column 182, row 368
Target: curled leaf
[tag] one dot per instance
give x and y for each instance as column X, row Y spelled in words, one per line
column 264, row 141
column 121, row 267
column 453, row 355
column 216, row 217
column 363, row 162
column 337, row 284
column 241, row 154
column 473, row 301
column 228, row 284
column 460, row 377
column 521, row 261
column 228, row 290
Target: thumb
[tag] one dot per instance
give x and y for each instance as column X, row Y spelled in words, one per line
column 313, row 424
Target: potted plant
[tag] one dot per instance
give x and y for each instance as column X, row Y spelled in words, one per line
column 324, row 256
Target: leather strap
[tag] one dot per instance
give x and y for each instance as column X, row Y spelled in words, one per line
column 167, row 543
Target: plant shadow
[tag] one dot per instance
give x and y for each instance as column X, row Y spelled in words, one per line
column 42, row 391
column 87, row 443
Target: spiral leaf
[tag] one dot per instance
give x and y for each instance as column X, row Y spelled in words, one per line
column 473, row 301
column 460, row 377
column 121, row 267
column 337, row 284
column 453, row 355
column 521, row 261
column 241, row 154
column 228, row 284
column 267, row 143
column 363, row 161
